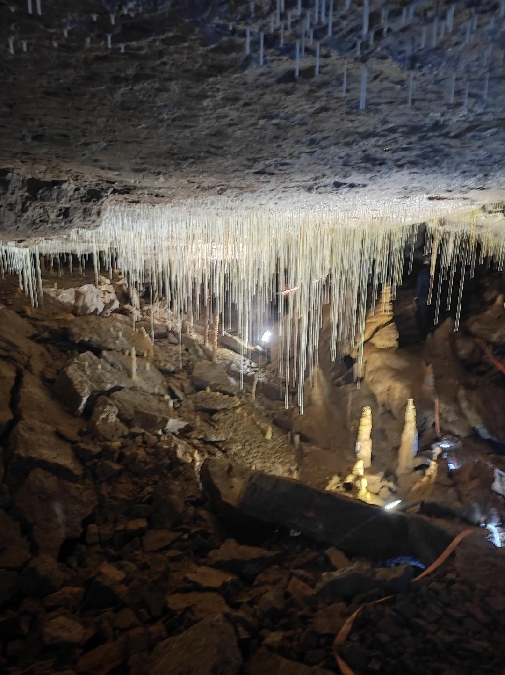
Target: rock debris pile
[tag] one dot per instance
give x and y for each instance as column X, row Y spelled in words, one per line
column 113, row 560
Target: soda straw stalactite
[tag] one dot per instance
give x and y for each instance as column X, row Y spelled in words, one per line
column 262, row 49
column 366, row 18
column 344, row 82
column 318, row 49
column 364, row 80
column 297, row 58
column 411, row 89
column 247, row 41
column 330, row 19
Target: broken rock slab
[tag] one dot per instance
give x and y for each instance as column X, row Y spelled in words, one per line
column 354, row 527
column 114, row 332
column 210, row 401
column 148, row 377
column 104, row 423
column 146, row 411
column 265, row 662
column 209, row 579
column 201, row 605
column 53, row 508
column 208, row 648
column 85, row 376
column 247, row 561
column 35, row 445
column 214, row 376
column 361, row 578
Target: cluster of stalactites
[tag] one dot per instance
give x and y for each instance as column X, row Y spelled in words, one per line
column 248, row 257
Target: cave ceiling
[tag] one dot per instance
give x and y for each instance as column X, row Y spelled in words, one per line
column 157, row 100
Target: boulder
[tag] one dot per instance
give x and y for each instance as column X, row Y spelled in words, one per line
column 246, row 497
column 7, row 380
column 148, row 379
column 86, row 299
column 103, row 659
column 14, row 549
column 114, row 332
column 59, row 629
column 247, row 561
column 149, row 412
column 54, row 509
column 209, row 579
column 104, row 423
column 265, row 662
column 34, row 445
column 361, row 578
column 36, row 403
column 209, row 401
column 104, row 588
column 85, row 376
column 214, row 376
column 69, row 597
column 16, row 342
column 208, row 648
column 42, row 576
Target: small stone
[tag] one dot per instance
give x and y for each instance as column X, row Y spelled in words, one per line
column 125, row 619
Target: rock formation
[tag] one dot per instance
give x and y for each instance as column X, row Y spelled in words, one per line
column 409, row 442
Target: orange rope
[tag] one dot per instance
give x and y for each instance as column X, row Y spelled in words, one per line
column 346, row 628
column 497, row 364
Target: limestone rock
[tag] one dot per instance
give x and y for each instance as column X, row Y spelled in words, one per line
column 329, row 620
column 202, row 605
column 115, row 332
column 265, row 662
column 338, row 559
column 68, row 597
column 85, row 376
column 209, row 579
column 209, row 401
column 247, row 561
column 138, row 409
column 35, row 402
column 103, row 659
column 59, row 629
column 360, row 578
column 214, row 376
column 15, row 334
column 386, row 338
column 54, row 508
column 42, row 576
column 86, row 299
column 104, row 423
column 208, row 648
column 158, row 540
column 35, row 445
column 7, row 379
column 490, row 325
column 14, row 549
column 148, row 379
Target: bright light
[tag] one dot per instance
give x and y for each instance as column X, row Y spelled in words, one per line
column 392, row 505
column 451, row 466
column 266, row 336
column 495, row 535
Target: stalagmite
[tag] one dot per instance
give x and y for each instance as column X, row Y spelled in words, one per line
column 268, row 433
column 408, row 444
column 364, row 442
column 133, row 364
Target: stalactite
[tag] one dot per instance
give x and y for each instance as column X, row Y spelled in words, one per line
column 229, row 251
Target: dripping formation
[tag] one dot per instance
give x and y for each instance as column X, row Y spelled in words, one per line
column 245, row 259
